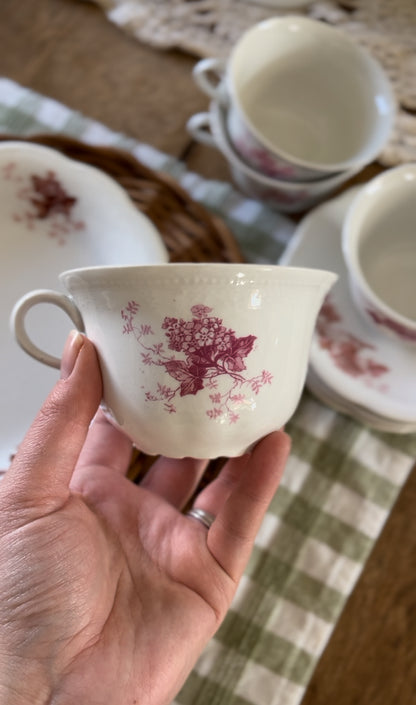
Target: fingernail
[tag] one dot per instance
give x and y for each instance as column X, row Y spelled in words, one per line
column 73, row 345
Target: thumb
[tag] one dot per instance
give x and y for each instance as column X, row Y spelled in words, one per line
column 44, row 463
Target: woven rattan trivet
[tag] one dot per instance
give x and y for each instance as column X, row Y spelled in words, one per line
column 189, row 231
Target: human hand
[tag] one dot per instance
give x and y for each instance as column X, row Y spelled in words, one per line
column 108, row 593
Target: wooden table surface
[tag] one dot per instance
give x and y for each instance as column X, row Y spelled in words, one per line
column 68, row 50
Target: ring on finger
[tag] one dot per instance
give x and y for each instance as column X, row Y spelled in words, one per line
column 204, row 518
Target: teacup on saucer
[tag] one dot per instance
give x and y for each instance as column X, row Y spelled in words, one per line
column 379, row 246
column 355, row 361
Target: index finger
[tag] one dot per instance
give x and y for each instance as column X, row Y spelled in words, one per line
column 45, row 460
column 231, row 536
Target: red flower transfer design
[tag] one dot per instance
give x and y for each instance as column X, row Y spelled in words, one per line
column 348, row 352
column 209, row 351
column 45, row 200
column 397, row 328
column 269, row 165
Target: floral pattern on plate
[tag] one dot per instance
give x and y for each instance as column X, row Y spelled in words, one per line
column 71, row 215
column 348, row 352
column 209, row 351
column 43, row 199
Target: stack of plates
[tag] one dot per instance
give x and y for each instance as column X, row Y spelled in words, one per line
column 352, row 367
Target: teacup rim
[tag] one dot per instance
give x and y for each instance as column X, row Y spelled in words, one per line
column 219, row 268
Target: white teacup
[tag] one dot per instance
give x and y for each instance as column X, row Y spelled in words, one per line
column 197, row 360
column 379, row 246
column 280, row 194
column 304, row 100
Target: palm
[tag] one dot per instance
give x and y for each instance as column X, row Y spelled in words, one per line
column 149, row 571
column 131, row 566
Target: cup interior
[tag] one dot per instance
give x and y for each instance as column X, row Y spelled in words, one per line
column 381, row 229
column 387, row 255
column 309, row 92
column 218, row 121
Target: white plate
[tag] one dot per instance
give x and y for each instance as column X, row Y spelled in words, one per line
column 349, row 355
column 55, row 214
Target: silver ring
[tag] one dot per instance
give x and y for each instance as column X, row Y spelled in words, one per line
column 205, row 518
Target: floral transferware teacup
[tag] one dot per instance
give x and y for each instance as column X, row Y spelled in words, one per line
column 279, row 194
column 197, row 360
column 303, row 99
column 379, row 246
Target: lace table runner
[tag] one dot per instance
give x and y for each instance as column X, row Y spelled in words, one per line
column 387, row 28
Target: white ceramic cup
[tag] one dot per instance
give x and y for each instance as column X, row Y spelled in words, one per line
column 303, row 99
column 197, row 360
column 379, row 246
column 279, row 194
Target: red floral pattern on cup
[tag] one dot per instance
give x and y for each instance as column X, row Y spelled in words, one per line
column 349, row 353
column 262, row 160
column 44, row 201
column 209, row 350
column 394, row 326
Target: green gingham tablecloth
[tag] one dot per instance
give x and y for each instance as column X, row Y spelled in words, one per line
column 338, row 489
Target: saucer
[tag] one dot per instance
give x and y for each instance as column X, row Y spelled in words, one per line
column 55, row 214
column 360, row 413
column 360, row 366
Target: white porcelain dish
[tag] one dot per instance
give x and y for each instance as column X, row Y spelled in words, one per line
column 55, row 213
column 354, row 360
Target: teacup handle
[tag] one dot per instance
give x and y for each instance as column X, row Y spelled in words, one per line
column 208, row 74
column 199, row 127
column 18, row 316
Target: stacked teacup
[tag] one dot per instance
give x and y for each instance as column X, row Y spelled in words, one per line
column 297, row 110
